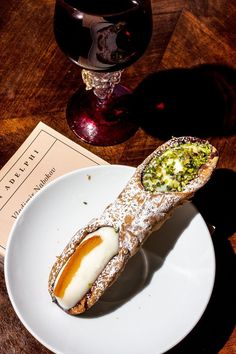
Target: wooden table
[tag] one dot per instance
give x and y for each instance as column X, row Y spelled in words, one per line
column 36, row 83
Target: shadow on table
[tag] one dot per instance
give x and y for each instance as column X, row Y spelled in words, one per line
column 199, row 101
column 216, row 202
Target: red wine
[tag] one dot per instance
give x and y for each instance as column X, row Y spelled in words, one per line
column 105, row 35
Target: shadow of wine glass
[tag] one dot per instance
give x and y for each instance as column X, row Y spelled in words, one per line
column 198, row 101
column 141, row 268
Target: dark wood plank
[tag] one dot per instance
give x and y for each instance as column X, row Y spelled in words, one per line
column 193, row 43
column 219, row 15
column 168, row 6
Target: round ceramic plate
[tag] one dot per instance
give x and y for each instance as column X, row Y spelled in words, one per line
column 155, row 303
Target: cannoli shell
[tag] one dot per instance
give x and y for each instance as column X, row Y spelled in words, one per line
column 135, row 213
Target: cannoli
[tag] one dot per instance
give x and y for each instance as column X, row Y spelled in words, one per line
column 98, row 253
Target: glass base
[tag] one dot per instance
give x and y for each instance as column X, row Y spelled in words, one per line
column 102, row 124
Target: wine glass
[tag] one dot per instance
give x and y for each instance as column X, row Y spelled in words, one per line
column 103, row 37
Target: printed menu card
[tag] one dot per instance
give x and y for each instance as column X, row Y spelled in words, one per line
column 44, row 156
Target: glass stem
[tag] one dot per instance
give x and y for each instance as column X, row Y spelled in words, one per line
column 101, row 83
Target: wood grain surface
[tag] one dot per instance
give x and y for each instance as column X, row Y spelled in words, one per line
column 36, row 82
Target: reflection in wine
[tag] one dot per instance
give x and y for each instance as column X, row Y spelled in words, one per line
column 103, row 38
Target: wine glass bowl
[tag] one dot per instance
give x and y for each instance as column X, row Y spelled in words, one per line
column 102, row 38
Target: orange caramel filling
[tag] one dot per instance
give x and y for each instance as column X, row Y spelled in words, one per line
column 74, row 263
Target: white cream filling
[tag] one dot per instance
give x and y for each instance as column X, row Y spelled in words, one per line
column 90, row 267
column 178, row 165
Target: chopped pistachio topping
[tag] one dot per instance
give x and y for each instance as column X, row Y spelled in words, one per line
column 175, row 167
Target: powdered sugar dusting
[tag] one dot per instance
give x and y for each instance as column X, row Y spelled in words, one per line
column 135, row 213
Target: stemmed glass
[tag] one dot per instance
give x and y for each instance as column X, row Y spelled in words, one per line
column 103, row 37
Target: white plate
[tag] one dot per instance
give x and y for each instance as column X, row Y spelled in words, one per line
column 161, row 296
